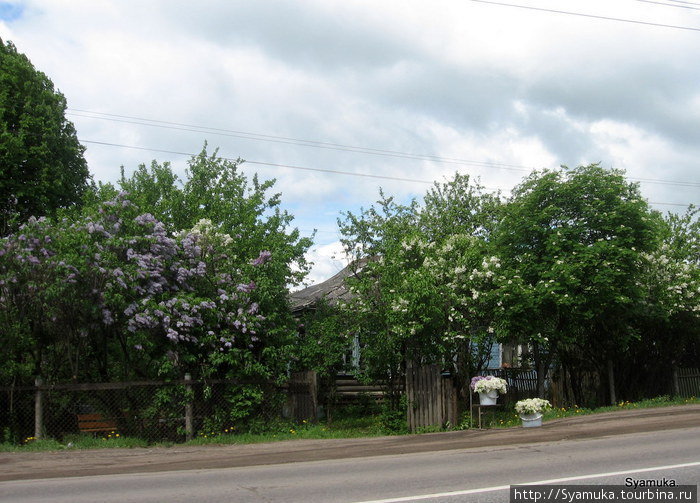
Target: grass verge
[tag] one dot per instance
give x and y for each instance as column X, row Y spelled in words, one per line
column 509, row 418
column 352, row 426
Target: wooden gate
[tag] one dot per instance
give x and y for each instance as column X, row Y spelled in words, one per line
column 303, row 395
column 432, row 397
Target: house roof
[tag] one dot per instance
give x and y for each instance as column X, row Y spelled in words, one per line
column 332, row 290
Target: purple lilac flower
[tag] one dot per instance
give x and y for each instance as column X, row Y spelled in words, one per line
column 264, row 256
column 246, row 288
column 107, row 317
column 476, row 380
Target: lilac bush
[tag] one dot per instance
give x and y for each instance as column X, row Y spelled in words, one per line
column 145, row 293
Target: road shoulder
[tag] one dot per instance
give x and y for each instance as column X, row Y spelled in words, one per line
column 75, row 463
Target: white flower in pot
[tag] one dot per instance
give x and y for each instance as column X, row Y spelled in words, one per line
column 531, row 410
column 488, row 388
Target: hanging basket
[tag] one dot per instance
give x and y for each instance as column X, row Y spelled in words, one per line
column 489, row 398
column 531, row 420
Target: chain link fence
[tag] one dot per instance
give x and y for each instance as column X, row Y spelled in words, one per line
column 152, row 411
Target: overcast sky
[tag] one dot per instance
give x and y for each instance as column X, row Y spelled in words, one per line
column 412, row 90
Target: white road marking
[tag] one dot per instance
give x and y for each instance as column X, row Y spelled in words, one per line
column 538, row 482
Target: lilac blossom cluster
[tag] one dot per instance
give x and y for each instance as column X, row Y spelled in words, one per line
column 139, row 277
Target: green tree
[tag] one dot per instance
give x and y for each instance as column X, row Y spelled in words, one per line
column 571, row 242
column 42, row 167
column 416, row 298
column 669, row 321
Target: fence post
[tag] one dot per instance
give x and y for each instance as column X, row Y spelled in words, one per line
column 38, row 409
column 189, row 429
column 611, row 382
column 676, row 384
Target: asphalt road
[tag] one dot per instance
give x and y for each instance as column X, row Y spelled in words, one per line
column 473, row 466
column 470, row 474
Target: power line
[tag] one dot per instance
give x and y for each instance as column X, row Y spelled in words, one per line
column 682, row 2
column 289, row 166
column 292, row 141
column 580, row 14
column 333, row 146
column 276, row 165
column 665, row 4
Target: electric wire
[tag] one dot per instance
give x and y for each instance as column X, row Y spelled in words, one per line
column 682, row 2
column 348, row 148
column 293, row 141
column 669, row 5
column 593, row 16
column 303, row 168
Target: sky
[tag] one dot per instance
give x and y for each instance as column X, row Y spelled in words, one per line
column 335, row 99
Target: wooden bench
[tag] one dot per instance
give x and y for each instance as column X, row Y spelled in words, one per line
column 92, row 423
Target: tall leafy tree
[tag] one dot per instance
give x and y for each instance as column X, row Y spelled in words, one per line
column 571, row 242
column 42, row 167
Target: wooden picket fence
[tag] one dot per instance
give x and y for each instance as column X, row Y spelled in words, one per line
column 687, row 382
column 432, row 397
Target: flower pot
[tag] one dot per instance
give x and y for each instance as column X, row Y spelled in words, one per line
column 489, row 398
column 531, row 420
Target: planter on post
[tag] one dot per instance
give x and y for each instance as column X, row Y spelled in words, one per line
column 488, row 388
column 488, row 398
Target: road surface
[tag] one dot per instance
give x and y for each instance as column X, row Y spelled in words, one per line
column 429, row 469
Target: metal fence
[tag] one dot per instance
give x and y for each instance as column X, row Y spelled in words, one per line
column 150, row 410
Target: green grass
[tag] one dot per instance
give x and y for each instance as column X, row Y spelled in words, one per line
column 509, row 418
column 343, row 426
column 352, row 427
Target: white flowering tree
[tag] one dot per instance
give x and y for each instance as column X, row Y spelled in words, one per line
column 669, row 323
column 424, row 291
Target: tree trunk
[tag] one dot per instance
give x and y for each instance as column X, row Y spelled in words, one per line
column 542, row 367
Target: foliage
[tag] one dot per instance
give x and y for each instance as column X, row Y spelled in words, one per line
column 414, row 296
column 265, row 248
column 115, row 293
column 668, row 322
column 575, row 266
column 323, row 341
column 42, row 167
column 393, row 421
column 571, row 244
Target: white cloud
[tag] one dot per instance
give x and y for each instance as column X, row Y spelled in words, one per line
column 329, row 259
column 499, row 87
